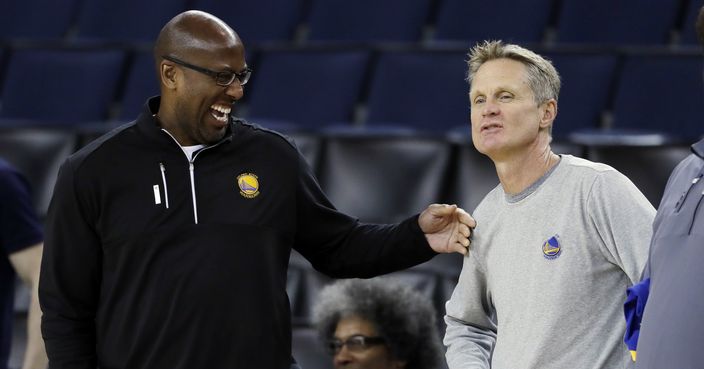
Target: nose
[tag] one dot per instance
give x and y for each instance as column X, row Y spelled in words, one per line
column 490, row 108
column 342, row 358
column 235, row 90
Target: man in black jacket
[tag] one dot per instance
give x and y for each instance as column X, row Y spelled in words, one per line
column 168, row 239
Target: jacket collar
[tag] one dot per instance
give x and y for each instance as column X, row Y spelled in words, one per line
column 149, row 125
column 698, row 148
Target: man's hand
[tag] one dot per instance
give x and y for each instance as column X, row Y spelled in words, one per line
column 447, row 228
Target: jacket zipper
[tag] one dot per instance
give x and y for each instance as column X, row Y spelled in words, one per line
column 684, row 195
column 191, row 169
column 163, row 181
column 193, row 192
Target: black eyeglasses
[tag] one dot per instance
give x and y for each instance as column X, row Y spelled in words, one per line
column 356, row 343
column 224, row 78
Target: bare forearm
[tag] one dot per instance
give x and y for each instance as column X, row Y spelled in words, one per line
column 35, row 355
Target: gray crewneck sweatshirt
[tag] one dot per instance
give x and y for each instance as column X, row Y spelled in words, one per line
column 543, row 285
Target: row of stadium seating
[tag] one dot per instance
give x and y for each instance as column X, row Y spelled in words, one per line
column 372, row 86
column 377, row 176
column 632, row 22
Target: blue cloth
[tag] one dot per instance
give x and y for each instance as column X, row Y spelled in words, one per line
column 633, row 308
column 19, row 228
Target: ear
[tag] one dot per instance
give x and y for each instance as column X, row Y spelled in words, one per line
column 168, row 75
column 548, row 113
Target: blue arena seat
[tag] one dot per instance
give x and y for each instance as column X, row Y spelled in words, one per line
column 60, row 86
column 688, row 34
column 311, row 88
column 141, row 83
column 367, row 20
column 648, row 167
column 614, row 22
column 587, row 80
column 257, row 21
column 383, row 178
column 35, row 19
column 425, row 90
column 475, row 175
column 661, row 93
column 303, row 284
column 309, row 350
column 125, row 20
column 513, row 21
column 38, row 154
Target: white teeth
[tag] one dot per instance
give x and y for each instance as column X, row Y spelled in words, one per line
column 222, row 109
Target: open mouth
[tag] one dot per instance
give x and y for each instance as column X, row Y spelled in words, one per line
column 490, row 127
column 220, row 112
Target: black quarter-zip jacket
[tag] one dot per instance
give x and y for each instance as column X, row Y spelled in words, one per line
column 154, row 261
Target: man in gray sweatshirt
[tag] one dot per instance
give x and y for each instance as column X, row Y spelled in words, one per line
column 556, row 243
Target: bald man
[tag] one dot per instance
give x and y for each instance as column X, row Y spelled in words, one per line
column 168, row 239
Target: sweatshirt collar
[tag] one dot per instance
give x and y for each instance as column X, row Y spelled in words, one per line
column 148, row 124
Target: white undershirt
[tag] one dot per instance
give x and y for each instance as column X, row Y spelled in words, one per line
column 190, row 150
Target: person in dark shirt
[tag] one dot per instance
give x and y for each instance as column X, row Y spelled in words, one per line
column 21, row 240
column 168, row 238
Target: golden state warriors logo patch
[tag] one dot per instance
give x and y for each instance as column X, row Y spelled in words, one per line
column 248, row 184
column 552, row 248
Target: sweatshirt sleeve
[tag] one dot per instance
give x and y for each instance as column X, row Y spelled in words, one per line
column 69, row 281
column 623, row 218
column 340, row 246
column 471, row 319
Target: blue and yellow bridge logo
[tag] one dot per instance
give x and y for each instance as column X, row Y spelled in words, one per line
column 552, row 248
column 248, row 184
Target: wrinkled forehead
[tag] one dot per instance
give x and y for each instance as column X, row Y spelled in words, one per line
column 498, row 73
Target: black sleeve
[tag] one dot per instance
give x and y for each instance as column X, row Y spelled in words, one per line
column 341, row 247
column 70, row 277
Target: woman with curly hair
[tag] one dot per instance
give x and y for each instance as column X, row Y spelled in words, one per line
column 377, row 324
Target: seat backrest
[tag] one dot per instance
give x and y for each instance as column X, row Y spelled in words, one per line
column 647, row 167
column 308, row 350
column 475, row 176
column 140, row 84
column 587, row 80
column 425, row 90
column 631, row 22
column 383, row 179
column 257, row 21
column 61, row 86
column 36, row 19
column 38, row 154
column 512, row 21
column 310, row 88
column 125, row 20
column 661, row 93
column 367, row 20
column 688, row 34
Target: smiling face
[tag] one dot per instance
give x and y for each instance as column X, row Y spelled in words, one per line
column 505, row 118
column 194, row 109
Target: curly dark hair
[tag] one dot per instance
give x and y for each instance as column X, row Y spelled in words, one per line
column 405, row 318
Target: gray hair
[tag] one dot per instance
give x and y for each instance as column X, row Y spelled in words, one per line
column 543, row 78
column 400, row 314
